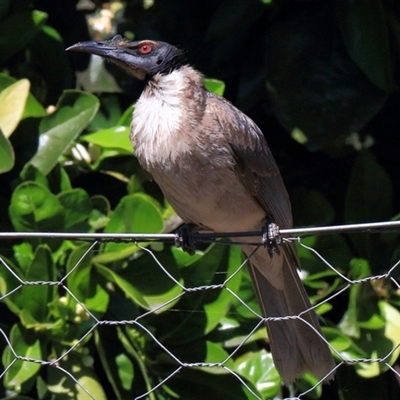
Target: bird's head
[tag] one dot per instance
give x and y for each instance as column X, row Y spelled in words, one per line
column 143, row 59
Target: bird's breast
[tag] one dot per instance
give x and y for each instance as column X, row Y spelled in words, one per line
column 193, row 164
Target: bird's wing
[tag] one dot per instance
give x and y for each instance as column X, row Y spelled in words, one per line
column 255, row 164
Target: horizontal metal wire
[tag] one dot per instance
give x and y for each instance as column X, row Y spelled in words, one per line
column 140, row 237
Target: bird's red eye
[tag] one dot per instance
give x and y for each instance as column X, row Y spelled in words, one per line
column 145, row 48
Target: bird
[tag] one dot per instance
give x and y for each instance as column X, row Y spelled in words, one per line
column 215, row 168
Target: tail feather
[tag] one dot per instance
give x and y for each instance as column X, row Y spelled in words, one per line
column 297, row 346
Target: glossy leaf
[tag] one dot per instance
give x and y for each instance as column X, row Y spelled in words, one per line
column 32, row 107
column 391, row 316
column 259, row 369
column 135, row 213
column 112, row 138
column 150, row 288
column 357, row 310
column 77, row 206
column 35, row 209
column 214, row 268
column 63, row 387
column 35, row 299
column 75, row 110
column 10, row 285
column 125, row 371
column 126, row 117
column 7, row 156
column 214, row 85
column 83, row 284
column 25, row 345
column 13, row 100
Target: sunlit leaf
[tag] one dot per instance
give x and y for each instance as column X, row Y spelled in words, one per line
column 259, row 369
column 75, row 110
column 135, row 213
column 7, row 156
column 85, row 380
column 32, row 107
column 125, row 371
column 25, row 345
column 13, row 100
column 113, row 138
column 214, row 85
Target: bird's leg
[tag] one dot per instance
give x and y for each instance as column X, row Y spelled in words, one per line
column 270, row 237
column 185, row 238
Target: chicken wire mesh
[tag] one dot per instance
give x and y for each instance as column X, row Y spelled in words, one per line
column 62, row 323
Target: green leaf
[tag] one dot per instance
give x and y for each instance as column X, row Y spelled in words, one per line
column 99, row 216
column 83, row 282
column 13, row 100
column 34, row 208
column 148, row 287
column 360, row 307
column 25, row 344
column 337, row 339
column 64, row 388
column 214, row 85
column 135, row 213
column 75, row 110
column 363, row 26
column 32, row 107
column 259, row 369
column 18, row 30
column 35, row 298
column 77, row 206
column 391, row 316
column 9, row 284
column 217, row 309
column 125, row 371
column 7, row 156
column 30, row 173
column 199, row 312
column 23, row 253
column 126, row 117
column 112, row 138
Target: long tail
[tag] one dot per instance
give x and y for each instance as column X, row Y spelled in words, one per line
column 296, row 347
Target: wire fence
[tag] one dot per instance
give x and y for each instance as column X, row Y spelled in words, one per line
column 92, row 320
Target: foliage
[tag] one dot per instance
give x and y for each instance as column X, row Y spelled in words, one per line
column 324, row 71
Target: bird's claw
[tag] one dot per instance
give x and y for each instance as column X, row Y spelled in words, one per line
column 271, row 238
column 185, row 238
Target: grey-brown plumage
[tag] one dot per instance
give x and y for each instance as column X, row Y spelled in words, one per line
column 215, row 168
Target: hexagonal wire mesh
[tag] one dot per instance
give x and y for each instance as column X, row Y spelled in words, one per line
column 60, row 316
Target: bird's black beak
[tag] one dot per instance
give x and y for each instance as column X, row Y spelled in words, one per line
column 116, row 50
column 105, row 48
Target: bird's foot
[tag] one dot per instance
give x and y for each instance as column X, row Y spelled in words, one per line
column 185, row 238
column 271, row 238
